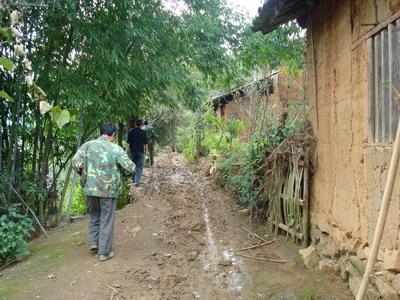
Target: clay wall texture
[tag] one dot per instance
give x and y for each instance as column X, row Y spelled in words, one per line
column 349, row 173
column 286, row 90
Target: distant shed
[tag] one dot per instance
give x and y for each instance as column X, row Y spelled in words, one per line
column 275, row 90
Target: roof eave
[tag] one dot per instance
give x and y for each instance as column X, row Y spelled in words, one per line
column 274, row 13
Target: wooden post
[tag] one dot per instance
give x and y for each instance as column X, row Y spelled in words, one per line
column 378, row 78
column 384, row 86
column 371, row 89
column 391, row 46
column 394, row 162
column 315, row 75
column 306, row 199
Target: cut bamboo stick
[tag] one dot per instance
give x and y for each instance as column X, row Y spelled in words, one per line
column 257, row 246
column 254, row 234
column 291, row 231
column 306, row 197
column 263, row 259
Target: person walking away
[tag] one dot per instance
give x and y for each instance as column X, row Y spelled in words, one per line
column 100, row 162
column 137, row 142
column 151, row 139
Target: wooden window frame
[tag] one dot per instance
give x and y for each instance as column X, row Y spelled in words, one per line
column 383, row 79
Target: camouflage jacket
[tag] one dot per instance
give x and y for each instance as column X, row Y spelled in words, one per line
column 100, row 163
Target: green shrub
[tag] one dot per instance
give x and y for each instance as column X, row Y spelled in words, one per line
column 213, row 135
column 15, row 228
column 123, row 198
column 241, row 166
column 78, row 206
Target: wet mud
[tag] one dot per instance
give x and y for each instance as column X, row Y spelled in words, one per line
column 178, row 239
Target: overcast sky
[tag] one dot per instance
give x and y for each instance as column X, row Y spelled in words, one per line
column 251, row 6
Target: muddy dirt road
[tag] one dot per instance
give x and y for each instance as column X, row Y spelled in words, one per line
column 179, row 239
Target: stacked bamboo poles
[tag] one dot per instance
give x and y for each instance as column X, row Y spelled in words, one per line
column 284, row 191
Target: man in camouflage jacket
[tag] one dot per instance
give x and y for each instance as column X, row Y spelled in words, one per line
column 100, row 163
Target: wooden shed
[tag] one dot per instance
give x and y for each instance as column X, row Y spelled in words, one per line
column 276, row 90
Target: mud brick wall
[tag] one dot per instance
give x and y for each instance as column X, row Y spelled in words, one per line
column 286, row 90
column 349, row 175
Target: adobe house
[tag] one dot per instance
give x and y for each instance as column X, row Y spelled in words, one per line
column 276, row 90
column 353, row 71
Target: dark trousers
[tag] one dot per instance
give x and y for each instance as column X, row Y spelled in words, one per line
column 138, row 159
column 101, row 224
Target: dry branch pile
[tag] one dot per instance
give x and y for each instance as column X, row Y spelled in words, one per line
column 278, row 187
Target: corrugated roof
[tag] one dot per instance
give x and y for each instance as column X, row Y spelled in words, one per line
column 277, row 12
column 224, row 98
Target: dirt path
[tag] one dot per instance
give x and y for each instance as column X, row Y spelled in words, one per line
column 177, row 240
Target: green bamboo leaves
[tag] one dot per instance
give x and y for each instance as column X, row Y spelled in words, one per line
column 6, row 63
column 6, row 96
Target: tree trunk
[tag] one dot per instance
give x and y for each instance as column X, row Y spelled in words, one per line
column 64, row 190
column 197, row 137
column 75, row 178
column 173, row 125
column 14, row 140
column 12, row 155
column 1, row 149
column 120, row 132
column 40, row 152
column 71, row 196
column 5, row 142
column 45, row 168
column 36, row 141
column 23, row 136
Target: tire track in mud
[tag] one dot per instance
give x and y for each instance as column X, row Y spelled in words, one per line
column 193, row 264
column 176, row 240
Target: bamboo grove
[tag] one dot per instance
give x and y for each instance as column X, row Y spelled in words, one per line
column 111, row 61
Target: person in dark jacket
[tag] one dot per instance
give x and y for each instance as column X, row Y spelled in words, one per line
column 137, row 143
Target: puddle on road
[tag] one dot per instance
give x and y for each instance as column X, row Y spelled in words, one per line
column 212, row 255
column 230, row 277
column 235, row 279
column 275, row 282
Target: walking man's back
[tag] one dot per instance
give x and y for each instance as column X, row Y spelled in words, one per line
column 137, row 141
column 100, row 162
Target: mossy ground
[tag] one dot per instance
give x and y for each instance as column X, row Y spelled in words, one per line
column 46, row 254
